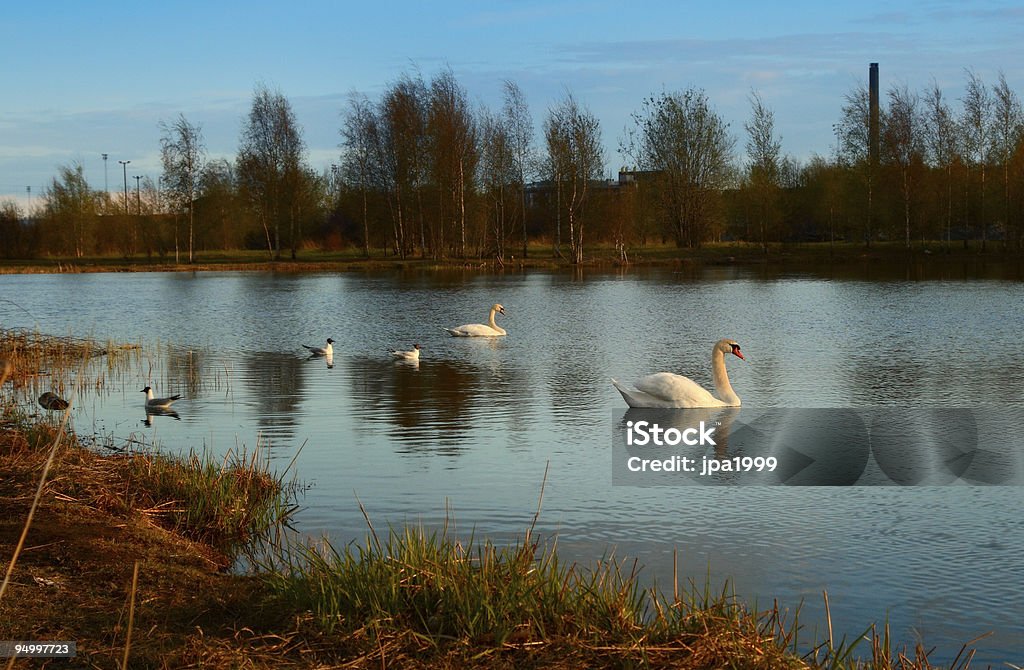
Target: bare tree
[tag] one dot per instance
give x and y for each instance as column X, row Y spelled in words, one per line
column 498, row 172
column 452, row 136
column 687, row 148
column 764, row 151
column 183, row 154
column 573, row 137
column 361, row 139
column 854, row 147
column 977, row 128
column 270, row 165
column 519, row 128
column 941, row 144
column 1006, row 136
column 903, row 144
column 402, row 124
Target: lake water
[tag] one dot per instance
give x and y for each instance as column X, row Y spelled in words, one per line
column 470, row 431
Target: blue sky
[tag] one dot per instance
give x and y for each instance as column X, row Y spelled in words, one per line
column 86, row 78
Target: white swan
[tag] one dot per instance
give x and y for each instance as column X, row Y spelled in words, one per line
column 665, row 389
column 158, row 403
column 479, row 329
column 321, row 351
column 411, row 355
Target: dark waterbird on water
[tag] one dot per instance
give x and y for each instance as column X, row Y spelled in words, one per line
column 52, row 401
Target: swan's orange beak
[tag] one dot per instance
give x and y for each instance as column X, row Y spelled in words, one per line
column 736, row 350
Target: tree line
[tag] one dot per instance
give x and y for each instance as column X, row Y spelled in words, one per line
column 424, row 172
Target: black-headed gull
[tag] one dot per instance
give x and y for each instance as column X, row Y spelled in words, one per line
column 321, row 351
column 411, row 355
column 479, row 329
column 158, row 403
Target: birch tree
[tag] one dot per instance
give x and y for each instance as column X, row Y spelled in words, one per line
column 573, row 137
column 764, row 151
column 519, row 128
column 183, row 155
column 452, row 135
column 361, row 139
column 271, row 165
column 940, row 137
column 1006, row 137
column 854, row 148
column 903, row 145
column 976, row 132
column 403, row 120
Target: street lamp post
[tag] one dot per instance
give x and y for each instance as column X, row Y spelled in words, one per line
column 138, row 197
column 106, row 185
column 124, row 165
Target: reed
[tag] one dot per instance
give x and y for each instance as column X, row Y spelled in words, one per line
column 426, row 590
column 230, row 504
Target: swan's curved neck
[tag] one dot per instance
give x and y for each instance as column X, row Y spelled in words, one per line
column 494, row 325
column 722, row 386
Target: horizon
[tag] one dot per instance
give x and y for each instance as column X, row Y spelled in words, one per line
column 801, row 59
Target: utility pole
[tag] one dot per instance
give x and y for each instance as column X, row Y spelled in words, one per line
column 124, row 165
column 106, row 185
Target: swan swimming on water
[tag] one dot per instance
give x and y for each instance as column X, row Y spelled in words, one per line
column 158, row 403
column 327, row 350
column 411, row 355
column 479, row 329
column 665, row 389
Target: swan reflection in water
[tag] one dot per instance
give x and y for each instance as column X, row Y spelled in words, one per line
column 720, row 419
column 159, row 411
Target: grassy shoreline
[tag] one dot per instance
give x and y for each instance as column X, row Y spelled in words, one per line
column 539, row 257
column 406, row 598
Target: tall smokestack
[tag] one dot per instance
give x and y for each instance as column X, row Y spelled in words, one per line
column 873, row 114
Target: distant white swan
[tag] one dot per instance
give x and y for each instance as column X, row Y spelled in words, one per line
column 479, row 329
column 158, row 403
column 321, row 351
column 411, row 355
column 665, row 389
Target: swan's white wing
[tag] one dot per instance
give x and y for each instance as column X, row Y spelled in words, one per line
column 678, row 390
column 474, row 330
column 635, row 398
